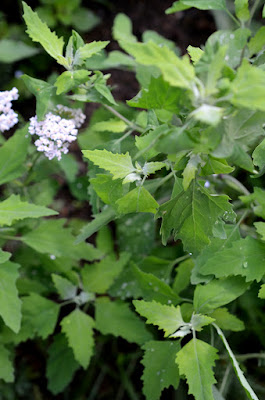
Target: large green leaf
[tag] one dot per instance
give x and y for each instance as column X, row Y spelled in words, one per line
column 14, row 50
column 137, row 200
column 39, row 32
column 13, row 209
column 166, row 317
column 160, row 368
column 200, row 4
column 61, row 365
column 218, row 293
column 107, row 189
column 10, row 309
column 191, row 216
column 78, row 328
column 69, row 80
column 196, row 360
column 225, row 320
column 13, row 154
column 99, row 277
column 44, row 239
column 116, row 318
column 65, row 288
column 177, row 71
column 6, row 366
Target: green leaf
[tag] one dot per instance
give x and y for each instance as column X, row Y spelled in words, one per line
column 154, row 288
column 112, row 125
column 245, row 257
column 196, row 360
column 64, row 287
column 177, row 71
column 257, row 43
column 68, row 80
column 261, row 292
column 160, row 368
column 14, row 50
column 158, row 95
column 98, row 277
column 198, row 321
column 200, row 4
column 42, row 91
column 39, row 32
column 208, row 114
column 88, row 50
column 44, row 239
column 248, row 87
column 218, row 293
column 4, row 256
column 216, row 166
column 10, row 309
column 102, row 219
column 13, row 154
column 182, row 279
column 225, row 320
column 78, row 328
column 195, row 53
column 119, row 165
column 122, row 29
column 6, row 366
column 13, row 209
column 61, row 365
column 153, row 166
column 239, row 373
column 260, row 227
column 137, row 200
column 40, row 315
column 108, row 190
column 258, row 199
column 191, row 215
column 116, row 318
column 258, row 155
column 190, row 170
column 242, row 11
column 165, row 317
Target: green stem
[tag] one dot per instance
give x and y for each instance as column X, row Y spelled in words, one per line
column 253, row 10
column 235, row 184
column 233, row 18
column 224, row 383
column 244, row 357
column 123, row 137
column 11, row 237
column 179, row 259
column 28, row 178
column 124, row 119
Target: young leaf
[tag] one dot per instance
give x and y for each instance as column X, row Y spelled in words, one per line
column 250, row 393
column 64, row 287
column 10, row 309
column 137, row 200
column 190, row 170
column 119, row 165
column 110, row 317
column 160, row 368
column 12, row 156
column 122, row 29
column 208, row 114
column 99, row 277
column 242, row 11
column 68, row 80
column 165, row 317
column 196, row 360
column 218, row 293
column 88, row 50
column 78, row 328
column 6, row 366
column 13, row 209
column 39, row 32
column 228, row 321
column 61, row 365
column 257, row 43
column 262, row 292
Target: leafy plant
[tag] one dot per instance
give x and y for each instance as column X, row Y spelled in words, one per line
column 184, row 157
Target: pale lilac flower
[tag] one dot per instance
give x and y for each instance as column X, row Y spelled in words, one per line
column 55, row 132
column 8, row 118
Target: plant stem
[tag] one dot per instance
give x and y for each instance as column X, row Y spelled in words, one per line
column 123, row 137
column 11, row 237
column 232, row 17
column 253, row 10
column 124, row 119
column 225, row 379
column 235, row 184
column 27, row 180
column 244, row 357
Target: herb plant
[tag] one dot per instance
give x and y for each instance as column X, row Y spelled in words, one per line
column 175, row 251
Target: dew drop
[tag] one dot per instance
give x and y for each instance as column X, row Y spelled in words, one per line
column 245, row 264
column 169, row 302
column 123, row 286
column 152, row 349
column 52, row 257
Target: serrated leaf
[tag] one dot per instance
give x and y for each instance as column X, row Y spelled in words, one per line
column 151, row 167
column 228, row 321
column 245, row 257
column 200, row 4
column 6, row 366
column 44, row 239
column 61, row 365
column 14, row 50
column 13, row 209
column 119, row 165
column 261, row 292
column 42, row 91
column 190, row 170
column 108, row 190
column 196, row 360
column 68, row 80
column 257, row 42
column 137, row 200
column 78, row 328
column 88, row 50
column 198, row 321
column 39, row 32
column 39, row 315
column 160, row 369
column 191, row 216
column 10, row 309
column 12, row 156
column 241, row 9
column 98, row 277
column 250, row 393
column 116, row 318
column 64, row 287
column 165, row 317
column 195, row 53
column 218, row 293
column 176, row 71
column 259, row 155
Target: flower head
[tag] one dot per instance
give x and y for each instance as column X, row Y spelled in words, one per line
column 55, row 132
column 8, row 118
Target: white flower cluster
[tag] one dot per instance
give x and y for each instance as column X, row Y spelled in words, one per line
column 56, row 132
column 8, row 117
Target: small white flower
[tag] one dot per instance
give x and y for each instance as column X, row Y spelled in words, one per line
column 56, row 132
column 8, row 118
